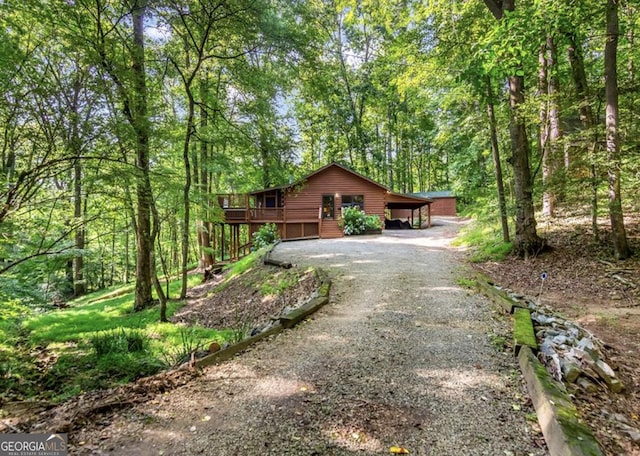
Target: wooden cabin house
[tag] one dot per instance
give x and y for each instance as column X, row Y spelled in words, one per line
column 311, row 207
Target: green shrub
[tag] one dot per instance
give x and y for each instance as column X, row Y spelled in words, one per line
column 190, row 341
column 484, row 237
column 121, row 367
column 372, row 222
column 119, row 341
column 266, row 235
column 355, row 221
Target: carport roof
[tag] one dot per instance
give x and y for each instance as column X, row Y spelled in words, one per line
column 400, row 201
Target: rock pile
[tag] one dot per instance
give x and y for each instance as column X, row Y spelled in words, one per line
column 574, row 356
column 571, row 353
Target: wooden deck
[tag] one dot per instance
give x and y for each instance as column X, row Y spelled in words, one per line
column 297, row 223
column 270, row 215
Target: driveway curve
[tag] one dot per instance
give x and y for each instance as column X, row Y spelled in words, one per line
column 400, row 357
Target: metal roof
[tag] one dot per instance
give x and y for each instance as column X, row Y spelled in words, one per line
column 438, row 194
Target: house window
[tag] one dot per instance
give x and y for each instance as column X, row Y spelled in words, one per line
column 270, row 199
column 353, row 201
column 328, row 206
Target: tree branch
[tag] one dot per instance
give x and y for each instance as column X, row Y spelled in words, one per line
column 48, row 250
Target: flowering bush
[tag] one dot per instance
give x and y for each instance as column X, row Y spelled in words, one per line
column 355, row 221
column 266, row 235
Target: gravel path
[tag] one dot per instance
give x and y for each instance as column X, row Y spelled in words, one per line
column 401, row 356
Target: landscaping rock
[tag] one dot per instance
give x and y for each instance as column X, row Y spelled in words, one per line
column 587, row 385
column 633, row 433
column 569, row 352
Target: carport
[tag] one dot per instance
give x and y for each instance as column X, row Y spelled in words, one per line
column 403, row 206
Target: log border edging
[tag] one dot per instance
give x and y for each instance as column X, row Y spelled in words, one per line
column 284, row 322
column 564, row 432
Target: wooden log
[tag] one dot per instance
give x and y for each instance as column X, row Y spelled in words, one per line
column 280, row 264
column 523, row 332
column 302, row 312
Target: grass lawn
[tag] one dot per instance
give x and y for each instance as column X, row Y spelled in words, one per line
column 96, row 342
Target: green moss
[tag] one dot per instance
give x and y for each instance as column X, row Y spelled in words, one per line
column 523, row 333
column 578, row 434
column 325, row 289
column 467, row 282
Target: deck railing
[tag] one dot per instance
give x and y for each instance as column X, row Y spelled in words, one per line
column 270, row 214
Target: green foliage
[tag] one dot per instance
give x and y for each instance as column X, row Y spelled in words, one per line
column 90, row 314
column 190, row 341
column 466, row 282
column 484, row 238
column 283, row 282
column 246, row 263
column 355, row 221
column 95, row 343
column 241, row 327
column 265, row 236
column 81, row 371
column 498, row 341
column 120, row 340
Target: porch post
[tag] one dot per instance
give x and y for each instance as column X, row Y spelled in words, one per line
column 284, row 223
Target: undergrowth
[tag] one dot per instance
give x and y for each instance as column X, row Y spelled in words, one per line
column 96, row 342
column 483, row 236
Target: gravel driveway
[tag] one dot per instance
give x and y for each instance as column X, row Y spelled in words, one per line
column 400, row 357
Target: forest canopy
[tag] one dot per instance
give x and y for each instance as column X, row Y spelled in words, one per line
column 121, row 119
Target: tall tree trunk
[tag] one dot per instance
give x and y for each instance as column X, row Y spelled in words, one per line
column 618, row 233
column 576, row 59
column 144, row 194
column 73, row 104
column 79, row 287
column 558, row 155
column 114, row 234
column 551, row 131
column 495, row 151
column 389, row 150
column 125, row 277
column 186, row 190
column 527, row 241
column 155, row 234
column 205, row 237
column 543, row 135
column 555, row 128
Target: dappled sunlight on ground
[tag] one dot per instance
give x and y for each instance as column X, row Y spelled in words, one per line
column 277, row 387
column 454, row 382
column 352, row 438
column 398, row 357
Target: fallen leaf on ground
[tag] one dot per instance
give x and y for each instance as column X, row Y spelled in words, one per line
column 398, row 450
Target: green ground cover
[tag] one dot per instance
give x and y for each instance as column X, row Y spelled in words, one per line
column 96, row 342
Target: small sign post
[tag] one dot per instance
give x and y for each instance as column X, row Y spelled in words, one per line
column 543, row 278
